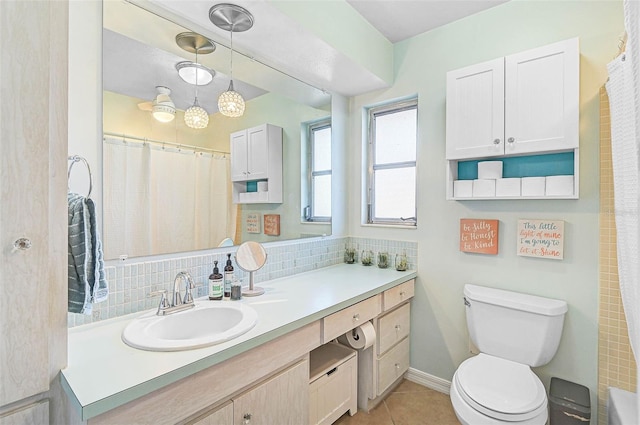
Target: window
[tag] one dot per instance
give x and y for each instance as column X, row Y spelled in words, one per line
column 318, row 207
column 391, row 197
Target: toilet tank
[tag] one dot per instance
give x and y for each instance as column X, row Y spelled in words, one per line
column 510, row 325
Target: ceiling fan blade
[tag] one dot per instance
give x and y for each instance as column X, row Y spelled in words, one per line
column 145, row 106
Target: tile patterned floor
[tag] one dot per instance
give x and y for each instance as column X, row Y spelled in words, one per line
column 408, row 404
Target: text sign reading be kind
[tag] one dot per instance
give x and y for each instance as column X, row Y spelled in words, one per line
column 479, row 236
column 541, row 238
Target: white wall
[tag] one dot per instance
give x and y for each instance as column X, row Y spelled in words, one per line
column 439, row 341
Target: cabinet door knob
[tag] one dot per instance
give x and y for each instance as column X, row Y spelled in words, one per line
column 401, row 294
column 356, row 316
column 397, row 365
column 496, row 141
column 246, row 419
column 398, row 327
column 22, row 244
column 511, row 140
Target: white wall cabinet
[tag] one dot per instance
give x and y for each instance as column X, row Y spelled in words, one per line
column 524, row 103
column 256, row 155
column 520, row 105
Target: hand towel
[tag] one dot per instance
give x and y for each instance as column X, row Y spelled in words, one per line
column 87, row 282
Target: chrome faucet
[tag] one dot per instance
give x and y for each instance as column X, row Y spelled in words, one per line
column 179, row 303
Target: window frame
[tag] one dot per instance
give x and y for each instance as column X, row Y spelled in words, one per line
column 372, row 167
column 308, row 211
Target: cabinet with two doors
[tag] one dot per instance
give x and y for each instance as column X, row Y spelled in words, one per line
column 256, row 164
column 522, row 109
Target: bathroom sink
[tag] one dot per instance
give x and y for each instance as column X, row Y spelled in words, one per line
column 208, row 323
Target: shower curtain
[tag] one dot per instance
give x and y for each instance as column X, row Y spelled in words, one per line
column 623, row 89
column 161, row 200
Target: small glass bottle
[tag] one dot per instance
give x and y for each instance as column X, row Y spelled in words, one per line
column 401, row 262
column 215, row 283
column 236, row 289
column 228, row 277
column 383, row 259
column 367, row 257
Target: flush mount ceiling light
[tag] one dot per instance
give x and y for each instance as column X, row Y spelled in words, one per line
column 162, row 108
column 196, row 74
column 232, row 18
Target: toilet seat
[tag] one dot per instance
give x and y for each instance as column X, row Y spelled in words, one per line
column 500, row 388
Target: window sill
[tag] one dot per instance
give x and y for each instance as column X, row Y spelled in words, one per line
column 390, row 226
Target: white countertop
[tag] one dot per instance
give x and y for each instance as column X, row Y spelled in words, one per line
column 103, row 372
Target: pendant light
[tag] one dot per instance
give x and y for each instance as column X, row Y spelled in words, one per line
column 232, row 18
column 194, row 73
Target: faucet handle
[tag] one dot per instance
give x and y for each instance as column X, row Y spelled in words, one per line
column 188, row 297
column 164, row 301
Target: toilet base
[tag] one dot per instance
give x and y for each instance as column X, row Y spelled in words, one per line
column 467, row 415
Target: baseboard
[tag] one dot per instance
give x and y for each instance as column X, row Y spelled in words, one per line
column 427, row 380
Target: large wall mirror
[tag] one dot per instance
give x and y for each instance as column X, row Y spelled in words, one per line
column 167, row 186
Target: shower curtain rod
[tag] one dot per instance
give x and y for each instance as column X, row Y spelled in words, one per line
column 161, row 143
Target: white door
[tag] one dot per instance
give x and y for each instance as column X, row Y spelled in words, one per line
column 542, row 98
column 238, row 144
column 475, row 110
column 258, row 146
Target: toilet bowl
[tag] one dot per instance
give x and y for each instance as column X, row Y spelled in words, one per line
column 513, row 332
column 490, row 390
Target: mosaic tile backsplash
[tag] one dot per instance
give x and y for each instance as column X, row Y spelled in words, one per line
column 130, row 282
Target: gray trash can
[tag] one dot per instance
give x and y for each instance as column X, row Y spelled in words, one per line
column 569, row 403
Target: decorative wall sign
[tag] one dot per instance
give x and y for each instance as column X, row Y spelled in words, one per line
column 253, row 223
column 479, row 236
column 272, row 224
column 541, row 238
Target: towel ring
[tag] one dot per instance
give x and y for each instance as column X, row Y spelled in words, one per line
column 78, row 158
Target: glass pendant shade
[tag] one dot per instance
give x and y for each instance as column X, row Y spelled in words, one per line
column 196, row 117
column 231, row 103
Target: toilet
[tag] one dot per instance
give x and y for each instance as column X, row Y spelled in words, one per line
column 513, row 333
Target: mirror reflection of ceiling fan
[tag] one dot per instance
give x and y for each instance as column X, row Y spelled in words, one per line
column 162, row 107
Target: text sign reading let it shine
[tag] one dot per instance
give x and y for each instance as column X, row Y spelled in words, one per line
column 541, row 238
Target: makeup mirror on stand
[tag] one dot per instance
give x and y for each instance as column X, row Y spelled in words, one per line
column 250, row 257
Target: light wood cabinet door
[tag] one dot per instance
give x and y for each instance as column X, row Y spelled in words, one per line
column 282, row 400
column 393, row 327
column 542, row 98
column 220, row 416
column 475, row 111
column 393, row 365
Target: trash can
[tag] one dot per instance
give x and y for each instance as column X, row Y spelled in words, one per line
column 569, row 403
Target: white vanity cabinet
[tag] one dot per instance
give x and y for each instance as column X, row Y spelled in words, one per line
column 523, row 103
column 256, row 156
column 521, row 108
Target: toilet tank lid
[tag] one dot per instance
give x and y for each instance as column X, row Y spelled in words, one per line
column 516, row 300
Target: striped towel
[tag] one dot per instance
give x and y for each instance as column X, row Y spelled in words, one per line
column 87, row 282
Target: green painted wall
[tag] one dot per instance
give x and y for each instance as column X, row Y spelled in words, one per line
column 439, row 338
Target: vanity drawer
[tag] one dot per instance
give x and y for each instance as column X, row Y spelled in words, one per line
column 393, row 327
column 348, row 318
column 393, row 365
column 398, row 294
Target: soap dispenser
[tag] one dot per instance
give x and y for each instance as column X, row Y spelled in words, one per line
column 215, row 283
column 228, row 277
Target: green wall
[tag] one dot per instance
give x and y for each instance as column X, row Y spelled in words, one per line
column 439, row 337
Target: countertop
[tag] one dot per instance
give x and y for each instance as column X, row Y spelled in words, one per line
column 104, row 373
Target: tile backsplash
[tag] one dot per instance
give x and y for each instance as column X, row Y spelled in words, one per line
column 130, row 282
